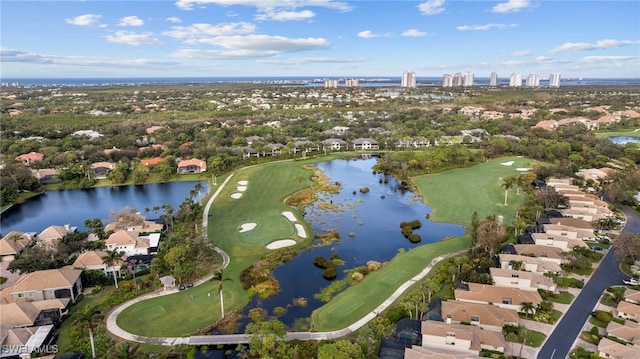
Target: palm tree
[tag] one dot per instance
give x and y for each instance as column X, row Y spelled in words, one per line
column 220, row 278
column 507, row 183
column 112, row 258
column 528, row 308
column 89, row 316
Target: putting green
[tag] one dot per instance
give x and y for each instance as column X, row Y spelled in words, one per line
column 271, row 224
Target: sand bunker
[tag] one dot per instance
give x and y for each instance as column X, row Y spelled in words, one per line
column 522, row 169
column 510, row 163
column 245, row 227
column 301, row 232
column 236, row 195
column 243, row 183
column 241, row 188
column 281, row 244
column 289, row 216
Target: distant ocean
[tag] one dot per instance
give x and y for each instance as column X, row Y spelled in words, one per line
column 379, row 81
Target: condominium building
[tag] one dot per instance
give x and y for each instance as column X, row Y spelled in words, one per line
column 328, row 83
column 351, row 82
column 515, row 80
column 554, row 80
column 447, row 80
column 494, row 79
column 468, row 79
column 533, row 80
column 408, row 79
column 457, row 79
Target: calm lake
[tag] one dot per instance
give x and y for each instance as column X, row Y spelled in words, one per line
column 74, row 206
column 369, row 228
column 621, row 140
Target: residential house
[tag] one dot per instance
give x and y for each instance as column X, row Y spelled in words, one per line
column 628, row 332
column 29, row 158
column 503, row 297
column 272, row 149
column 142, row 226
column 626, row 310
column 521, row 279
column 193, row 165
column 101, row 169
column 465, row 337
column 51, row 234
column 549, row 253
column 555, row 239
column 168, row 281
column 48, row 284
column 632, row 296
column 334, row 144
column 22, row 342
column 419, row 352
column 532, row 264
column 46, row 175
column 14, row 243
column 251, row 139
column 94, row 260
column 151, row 162
column 29, row 314
column 486, row 316
column 569, row 231
column 128, row 242
column 364, row 144
column 610, row 349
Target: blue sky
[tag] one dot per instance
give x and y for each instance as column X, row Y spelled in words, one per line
column 147, row 38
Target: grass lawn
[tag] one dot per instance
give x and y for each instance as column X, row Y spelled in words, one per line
column 454, row 195
column 563, row 298
column 195, row 309
column 630, row 133
column 357, row 301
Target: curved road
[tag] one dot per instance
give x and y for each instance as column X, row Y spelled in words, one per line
column 561, row 340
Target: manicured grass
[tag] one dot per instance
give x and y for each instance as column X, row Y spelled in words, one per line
column 562, row 298
column 341, row 311
column 630, row 133
column 454, row 195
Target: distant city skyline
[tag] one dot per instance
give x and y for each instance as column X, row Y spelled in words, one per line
column 323, row 38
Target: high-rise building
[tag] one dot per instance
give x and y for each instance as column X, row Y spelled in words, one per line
column 457, row 79
column 494, row 79
column 515, row 80
column 533, row 80
column 351, row 82
column 468, row 79
column 554, row 80
column 328, row 83
column 447, row 80
column 408, row 79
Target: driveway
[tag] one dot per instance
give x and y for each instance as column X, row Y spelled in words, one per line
column 608, row 273
column 11, row 277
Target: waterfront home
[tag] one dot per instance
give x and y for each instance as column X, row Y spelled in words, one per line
column 102, row 169
column 193, row 165
column 46, row 175
column 94, row 260
column 29, row 158
column 14, row 243
column 51, row 234
column 334, row 144
column 47, row 284
column 364, row 144
column 130, row 243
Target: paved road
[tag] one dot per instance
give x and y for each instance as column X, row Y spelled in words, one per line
column 608, row 273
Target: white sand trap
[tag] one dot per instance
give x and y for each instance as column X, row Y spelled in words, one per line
column 241, row 188
column 236, row 195
column 243, row 183
column 281, row 244
column 289, row 216
column 301, row 232
column 510, row 163
column 246, row 227
column 522, row 169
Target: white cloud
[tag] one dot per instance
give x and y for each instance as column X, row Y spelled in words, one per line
column 133, row 38
column 12, row 55
column 367, row 34
column 484, row 27
column 431, row 7
column 511, row 6
column 522, row 53
column 267, row 4
column 131, row 21
column 585, row 46
column 197, row 31
column 596, row 59
column 174, row 19
column 512, row 63
column 311, row 60
column 543, row 59
column 286, row 15
column 414, row 33
column 84, row 20
column 242, row 46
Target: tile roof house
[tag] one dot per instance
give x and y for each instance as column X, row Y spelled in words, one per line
column 552, row 254
column 557, row 239
column 94, row 260
column 418, row 352
column 22, row 342
column 521, row 279
column 102, row 169
column 29, row 314
column 128, row 242
column 628, row 332
column 632, row 296
column 46, row 175
column 28, row 158
column 503, row 297
column 626, row 310
column 364, row 144
column 12, row 244
column 49, row 235
column 334, row 144
column 193, row 165
column 465, row 337
column 47, row 284
column 150, row 162
column 608, row 348
column 532, row 264
column 569, row 231
column 486, row 316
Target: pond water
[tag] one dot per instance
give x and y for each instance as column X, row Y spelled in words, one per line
column 373, row 220
column 621, row 140
column 74, row 206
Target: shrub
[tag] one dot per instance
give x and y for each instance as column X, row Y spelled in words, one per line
column 330, row 273
column 373, row 266
column 364, row 189
column 357, row 276
column 321, row 262
column 603, row 317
